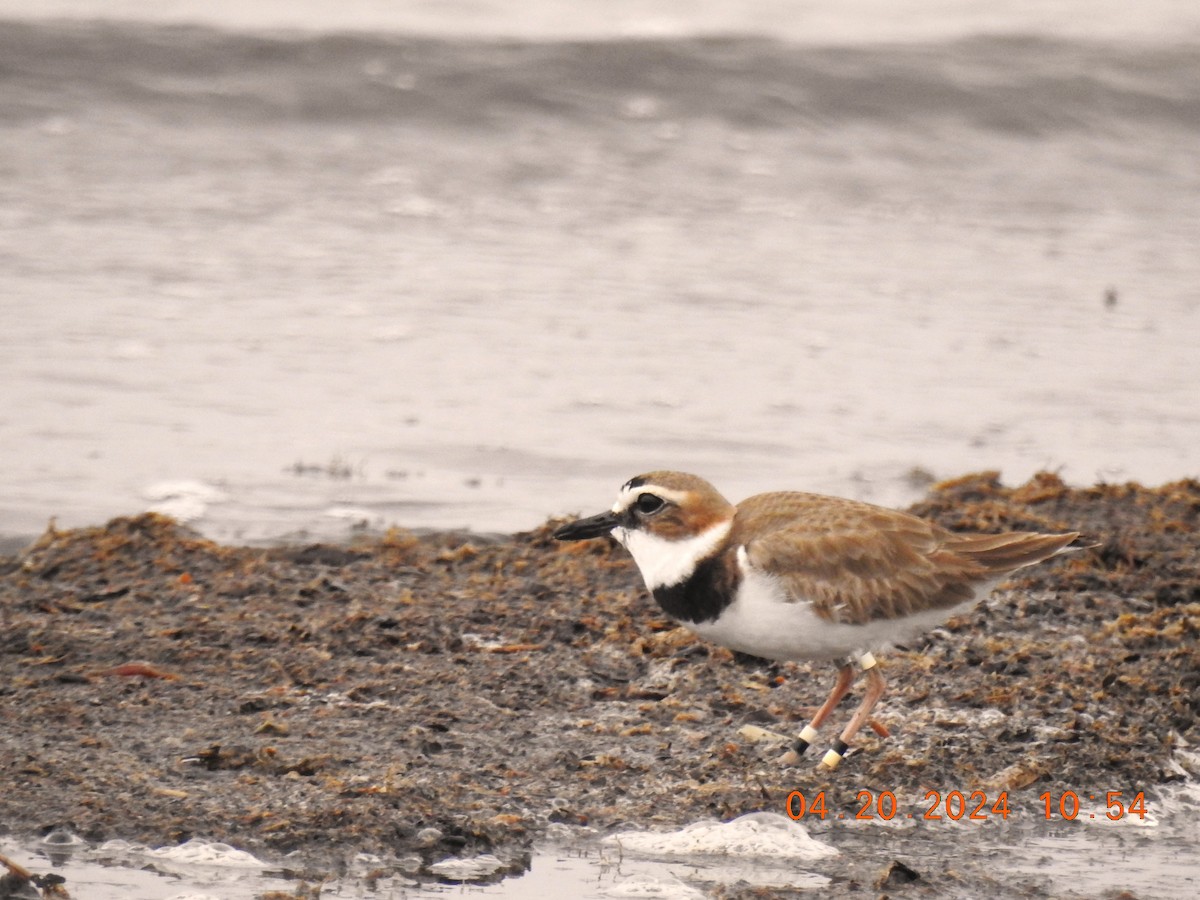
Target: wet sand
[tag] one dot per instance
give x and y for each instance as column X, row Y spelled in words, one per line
column 453, row 693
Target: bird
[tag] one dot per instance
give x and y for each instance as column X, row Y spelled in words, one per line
column 789, row 575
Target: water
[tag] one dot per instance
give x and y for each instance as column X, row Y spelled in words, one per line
column 825, row 21
column 1089, row 857
column 284, row 282
column 288, row 269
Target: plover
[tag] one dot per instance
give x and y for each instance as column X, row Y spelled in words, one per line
column 797, row 576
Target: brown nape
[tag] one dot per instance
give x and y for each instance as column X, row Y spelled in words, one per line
column 695, row 515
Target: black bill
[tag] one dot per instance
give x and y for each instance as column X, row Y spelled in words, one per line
column 591, row 527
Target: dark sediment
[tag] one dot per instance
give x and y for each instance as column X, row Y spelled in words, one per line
column 155, row 686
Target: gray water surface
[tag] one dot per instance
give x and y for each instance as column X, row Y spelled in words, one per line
column 276, row 283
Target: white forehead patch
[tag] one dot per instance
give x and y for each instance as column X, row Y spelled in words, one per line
column 629, row 495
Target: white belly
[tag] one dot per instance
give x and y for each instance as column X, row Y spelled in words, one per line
column 762, row 622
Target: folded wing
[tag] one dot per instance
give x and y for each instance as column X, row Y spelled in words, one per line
column 858, row 563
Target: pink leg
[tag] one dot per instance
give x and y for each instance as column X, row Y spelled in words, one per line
column 875, row 689
column 845, row 678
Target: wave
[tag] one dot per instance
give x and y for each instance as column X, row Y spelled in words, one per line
column 1018, row 84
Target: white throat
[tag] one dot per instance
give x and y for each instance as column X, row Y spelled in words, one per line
column 665, row 563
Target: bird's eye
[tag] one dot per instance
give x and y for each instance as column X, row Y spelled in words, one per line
column 648, row 503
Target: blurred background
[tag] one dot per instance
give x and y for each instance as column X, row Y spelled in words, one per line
column 290, row 269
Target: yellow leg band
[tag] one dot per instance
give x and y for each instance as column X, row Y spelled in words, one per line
column 835, row 754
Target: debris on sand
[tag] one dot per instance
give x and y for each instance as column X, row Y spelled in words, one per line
column 455, row 695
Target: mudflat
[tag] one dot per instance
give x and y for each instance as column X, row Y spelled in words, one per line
column 455, row 693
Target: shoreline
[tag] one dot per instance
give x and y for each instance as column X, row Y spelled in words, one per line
column 450, row 694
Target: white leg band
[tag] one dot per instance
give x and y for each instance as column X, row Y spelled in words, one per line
column 808, row 734
column 867, row 661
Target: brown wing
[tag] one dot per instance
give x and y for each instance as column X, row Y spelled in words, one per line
column 857, row 562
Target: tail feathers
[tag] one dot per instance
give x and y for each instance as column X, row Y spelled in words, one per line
column 1005, row 552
